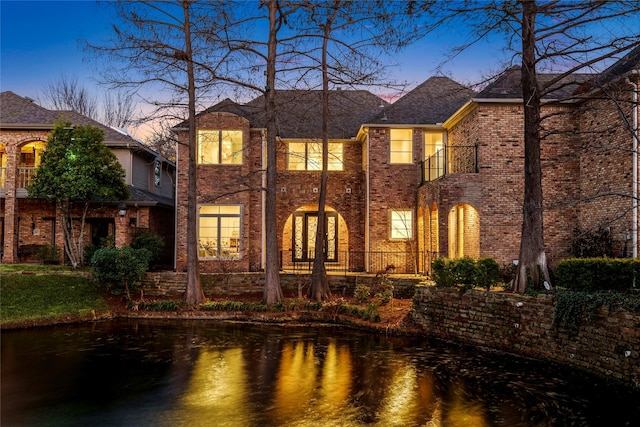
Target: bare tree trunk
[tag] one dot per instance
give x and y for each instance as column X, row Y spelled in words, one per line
column 194, row 293
column 532, row 261
column 272, row 289
column 319, row 289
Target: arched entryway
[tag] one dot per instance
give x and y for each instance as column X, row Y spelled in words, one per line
column 464, row 231
column 299, row 234
column 29, row 159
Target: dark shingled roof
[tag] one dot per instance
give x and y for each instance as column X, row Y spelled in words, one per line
column 299, row 112
column 508, row 85
column 431, row 102
column 626, row 64
column 16, row 111
column 144, row 197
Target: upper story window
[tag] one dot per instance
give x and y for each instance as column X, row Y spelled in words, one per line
column 218, row 146
column 401, row 146
column 401, row 224
column 308, row 156
column 434, row 155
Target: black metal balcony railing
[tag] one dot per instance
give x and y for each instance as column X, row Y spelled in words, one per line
column 450, row 160
column 365, row 262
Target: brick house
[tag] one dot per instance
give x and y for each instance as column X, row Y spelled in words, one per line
column 437, row 173
column 28, row 224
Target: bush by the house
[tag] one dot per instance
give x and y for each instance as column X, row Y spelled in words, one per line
column 48, row 254
column 153, row 243
column 592, row 274
column 466, row 272
column 120, row 269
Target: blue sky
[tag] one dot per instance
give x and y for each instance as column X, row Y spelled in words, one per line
column 42, row 40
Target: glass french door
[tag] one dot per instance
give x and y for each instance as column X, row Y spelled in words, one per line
column 305, row 225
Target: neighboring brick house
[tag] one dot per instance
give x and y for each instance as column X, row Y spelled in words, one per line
column 437, row 173
column 30, row 223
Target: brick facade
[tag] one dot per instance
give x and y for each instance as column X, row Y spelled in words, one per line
column 473, row 209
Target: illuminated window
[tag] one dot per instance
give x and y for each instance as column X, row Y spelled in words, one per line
column 401, row 146
column 401, row 224
column 219, row 231
column 219, row 147
column 308, row 156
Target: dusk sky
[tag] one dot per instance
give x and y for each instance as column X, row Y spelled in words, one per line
column 42, row 40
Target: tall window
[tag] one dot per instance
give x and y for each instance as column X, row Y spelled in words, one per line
column 219, row 147
column 308, row 156
column 401, row 146
column 434, row 158
column 219, row 231
column 401, row 224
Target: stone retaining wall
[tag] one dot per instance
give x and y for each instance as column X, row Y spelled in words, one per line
column 168, row 283
column 609, row 344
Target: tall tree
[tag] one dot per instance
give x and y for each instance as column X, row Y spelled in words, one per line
column 565, row 37
column 161, row 43
column 344, row 41
column 272, row 289
column 77, row 169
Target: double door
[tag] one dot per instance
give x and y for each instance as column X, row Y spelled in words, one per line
column 305, row 226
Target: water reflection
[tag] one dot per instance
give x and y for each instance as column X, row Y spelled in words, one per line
column 141, row 373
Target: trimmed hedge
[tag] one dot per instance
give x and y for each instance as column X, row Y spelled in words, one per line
column 592, row 274
column 467, row 272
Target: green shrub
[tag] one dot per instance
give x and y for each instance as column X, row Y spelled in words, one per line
column 487, row 273
column 592, row 274
column 466, row 272
column 442, row 272
column 120, row 269
column 48, row 254
column 161, row 305
column 361, row 293
column 151, row 242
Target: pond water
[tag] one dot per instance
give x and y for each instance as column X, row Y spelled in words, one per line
column 202, row 373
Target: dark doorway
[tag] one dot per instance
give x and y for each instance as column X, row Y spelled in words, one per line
column 304, row 236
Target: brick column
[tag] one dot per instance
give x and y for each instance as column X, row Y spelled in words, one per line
column 10, row 250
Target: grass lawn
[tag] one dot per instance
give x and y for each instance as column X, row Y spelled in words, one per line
column 25, row 297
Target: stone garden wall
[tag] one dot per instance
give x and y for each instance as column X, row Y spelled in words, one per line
column 608, row 344
column 167, row 283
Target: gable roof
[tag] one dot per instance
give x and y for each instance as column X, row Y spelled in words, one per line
column 17, row 112
column 431, row 102
column 621, row 68
column 508, row 85
column 299, row 112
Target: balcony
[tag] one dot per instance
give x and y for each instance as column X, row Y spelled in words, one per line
column 450, row 160
column 25, row 176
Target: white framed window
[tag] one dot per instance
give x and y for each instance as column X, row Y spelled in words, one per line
column 219, row 231
column 216, row 146
column 308, row 156
column 401, row 146
column 401, row 224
